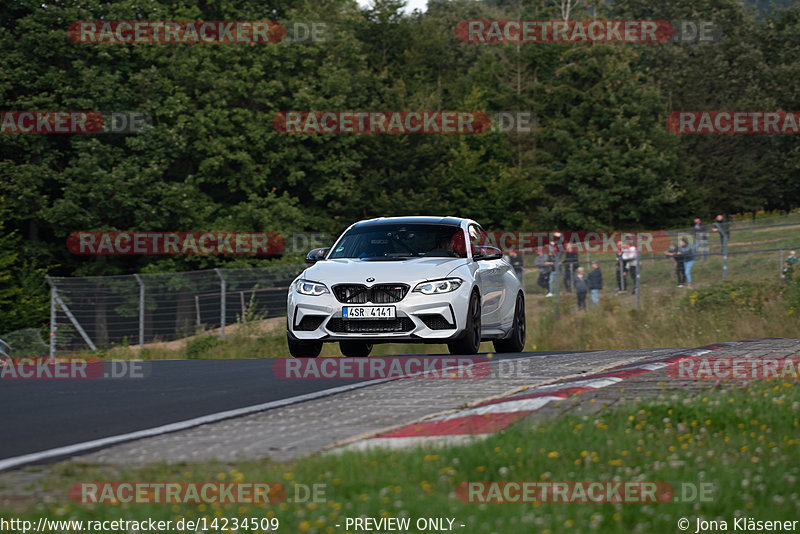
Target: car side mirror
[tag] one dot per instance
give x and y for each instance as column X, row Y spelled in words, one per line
column 318, row 254
column 487, row 253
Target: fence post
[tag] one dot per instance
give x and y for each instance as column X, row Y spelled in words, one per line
column 197, row 309
column 638, row 259
column 70, row 316
column 221, row 302
column 53, row 325
column 780, row 264
column 725, row 256
column 558, row 280
column 141, row 312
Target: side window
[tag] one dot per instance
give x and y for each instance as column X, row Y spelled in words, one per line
column 477, row 238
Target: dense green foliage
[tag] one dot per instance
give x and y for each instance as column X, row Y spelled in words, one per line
column 599, row 157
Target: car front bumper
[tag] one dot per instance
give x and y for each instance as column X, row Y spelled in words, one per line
column 419, row 318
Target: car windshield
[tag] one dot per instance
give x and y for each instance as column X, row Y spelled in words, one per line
column 401, row 241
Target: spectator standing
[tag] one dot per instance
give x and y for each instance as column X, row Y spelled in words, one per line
column 556, row 249
column 789, row 267
column 570, row 266
column 631, row 258
column 700, row 237
column 581, row 288
column 680, row 270
column 687, row 251
column 723, row 228
column 622, row 269
column 542, row 262
column 595, row 283
column 515, row 258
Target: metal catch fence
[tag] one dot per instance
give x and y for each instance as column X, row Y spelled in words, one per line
column 100, row 311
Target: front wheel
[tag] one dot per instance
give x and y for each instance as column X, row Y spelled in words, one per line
column 304, row 349
column 515, row 342
column 357, row 349
column 471, row 342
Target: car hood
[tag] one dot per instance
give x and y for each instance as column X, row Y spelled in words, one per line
column 356, row 271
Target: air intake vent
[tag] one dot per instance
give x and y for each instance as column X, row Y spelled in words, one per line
column 377, row 294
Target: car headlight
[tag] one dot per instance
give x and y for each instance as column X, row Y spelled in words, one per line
column 439, row 286
column 307, row 287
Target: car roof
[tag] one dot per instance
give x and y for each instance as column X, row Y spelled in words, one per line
column 416, row 219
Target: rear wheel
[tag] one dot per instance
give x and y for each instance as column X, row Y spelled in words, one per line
column 515, row 342
column 358, row 349
column 304, row 349
column 471, row 342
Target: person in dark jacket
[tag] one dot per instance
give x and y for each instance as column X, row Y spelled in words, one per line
column 688, row 253
column 595, row 283
column 516, row 260
column 675, row 252
column 556, row 252
column 581, row 288
column 570, row 266
column 542, row 262
column 723, row 228
column 622, row 268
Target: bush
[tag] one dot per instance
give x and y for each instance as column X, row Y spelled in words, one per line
column 731, row 296
column 201, row 345
column 27, row 342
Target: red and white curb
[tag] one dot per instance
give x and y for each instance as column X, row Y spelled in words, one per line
column 493, row 416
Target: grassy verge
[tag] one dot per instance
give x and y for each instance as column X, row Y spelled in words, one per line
column 740, row 439
column 674, row 317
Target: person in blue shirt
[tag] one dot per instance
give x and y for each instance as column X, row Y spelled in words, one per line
column 688, row 252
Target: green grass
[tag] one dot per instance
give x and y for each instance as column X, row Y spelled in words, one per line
column 740, row 438
column 674, row 317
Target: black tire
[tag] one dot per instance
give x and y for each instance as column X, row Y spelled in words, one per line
column 516, row 341
column 304, row 349
column 471, row 342
column 356, row 349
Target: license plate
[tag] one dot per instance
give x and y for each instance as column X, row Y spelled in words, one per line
column 368, row 312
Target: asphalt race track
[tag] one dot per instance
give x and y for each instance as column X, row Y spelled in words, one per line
column 40, row 415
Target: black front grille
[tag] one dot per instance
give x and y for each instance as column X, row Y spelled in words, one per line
column 366, row 326
column 436, row 322
column 377, row 294
column 310, row 322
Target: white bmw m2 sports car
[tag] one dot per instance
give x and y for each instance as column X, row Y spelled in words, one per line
column 406, row 280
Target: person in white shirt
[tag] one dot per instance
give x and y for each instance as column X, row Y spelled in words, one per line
column 631, row 258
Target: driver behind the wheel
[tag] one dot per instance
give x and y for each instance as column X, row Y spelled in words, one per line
column 442, row 249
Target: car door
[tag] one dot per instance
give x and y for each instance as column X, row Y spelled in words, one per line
column 490, row 274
